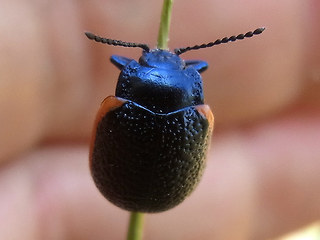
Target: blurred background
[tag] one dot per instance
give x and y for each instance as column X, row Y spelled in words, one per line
column 264, row 164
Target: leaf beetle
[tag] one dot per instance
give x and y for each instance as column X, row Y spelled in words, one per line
column 149, row 141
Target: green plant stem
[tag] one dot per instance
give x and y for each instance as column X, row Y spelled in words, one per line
column 135, row 226
column 163, row 36
column 136, row 218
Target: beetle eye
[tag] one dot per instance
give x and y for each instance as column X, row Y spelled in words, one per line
column 120, row 61
column 199, row 65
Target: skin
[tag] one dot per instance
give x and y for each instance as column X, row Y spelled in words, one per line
column 264, row 165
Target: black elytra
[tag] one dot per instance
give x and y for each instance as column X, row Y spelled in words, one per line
column 149, row 144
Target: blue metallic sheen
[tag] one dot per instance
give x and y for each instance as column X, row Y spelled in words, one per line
column 161, row 81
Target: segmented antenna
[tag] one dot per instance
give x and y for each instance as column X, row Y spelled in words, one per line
column 113, row 42
column 179, row 51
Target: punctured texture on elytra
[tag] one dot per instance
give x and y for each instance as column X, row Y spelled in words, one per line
column 150, row 140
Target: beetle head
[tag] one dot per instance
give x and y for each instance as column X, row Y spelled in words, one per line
column 163, row 59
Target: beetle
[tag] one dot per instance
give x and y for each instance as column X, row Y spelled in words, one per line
column 150, row 139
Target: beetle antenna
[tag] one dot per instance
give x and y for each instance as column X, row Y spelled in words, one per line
column 179, row 51
column 113, row 42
